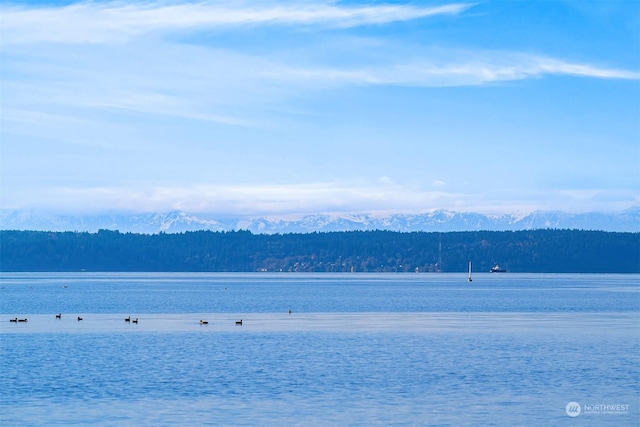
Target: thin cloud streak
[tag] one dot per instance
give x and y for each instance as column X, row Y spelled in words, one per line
column 245, row 86
column 324, row 197
column 493, row 68
column 249, row 199
column 115, row 22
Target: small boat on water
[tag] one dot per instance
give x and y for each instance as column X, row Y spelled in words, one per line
column 496, row 269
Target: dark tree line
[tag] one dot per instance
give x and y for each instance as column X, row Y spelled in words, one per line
column 536, row 251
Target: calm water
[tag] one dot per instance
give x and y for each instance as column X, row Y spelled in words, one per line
column 358, row 349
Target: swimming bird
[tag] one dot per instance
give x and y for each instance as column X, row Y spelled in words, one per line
column 239, row 322
column 128, row 319
column 22, row 320
column 204, row 322
column 59, row 316
column 14, row 320
column 79, row 318
column 135, row 320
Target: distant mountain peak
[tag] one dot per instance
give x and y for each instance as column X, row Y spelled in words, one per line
column 439, row 220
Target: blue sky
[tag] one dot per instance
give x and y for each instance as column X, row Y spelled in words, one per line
column 285, row 108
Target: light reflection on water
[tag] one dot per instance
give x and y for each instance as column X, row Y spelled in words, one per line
column 575, row 323
column 42, row 293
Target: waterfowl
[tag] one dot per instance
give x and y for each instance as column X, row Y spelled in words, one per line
column 79, row 318
column 13, row 320
column 135, row 320
column 22, row 320
column 59, row 316
column 239, row 322
column 204, row 322
column 128, row 319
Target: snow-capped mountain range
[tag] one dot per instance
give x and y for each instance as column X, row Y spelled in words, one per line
column 438, row 220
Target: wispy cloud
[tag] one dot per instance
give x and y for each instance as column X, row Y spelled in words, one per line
column 94, row 22
column 85, row 71
column 468, row 69
column 238, row 89
column 320, row 197
column 183, row 92
column 261, row 199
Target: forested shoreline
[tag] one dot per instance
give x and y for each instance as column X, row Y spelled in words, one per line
column 534, row 251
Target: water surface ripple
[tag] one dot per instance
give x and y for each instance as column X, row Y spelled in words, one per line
column 357, row 350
